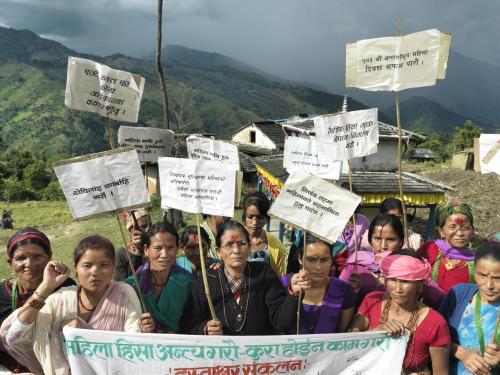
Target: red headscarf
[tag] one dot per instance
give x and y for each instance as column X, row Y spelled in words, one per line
column 405, row 267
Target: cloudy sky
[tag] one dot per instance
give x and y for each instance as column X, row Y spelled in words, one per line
column 301, row 40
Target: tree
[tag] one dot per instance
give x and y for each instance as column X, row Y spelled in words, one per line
column 181, row 100
column 464, row 138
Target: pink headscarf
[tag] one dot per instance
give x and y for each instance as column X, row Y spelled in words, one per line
column 405, row 267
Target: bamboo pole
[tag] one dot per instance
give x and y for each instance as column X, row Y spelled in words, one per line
column 159, row 68
column 299, row 304
column 109, row 132
column 400, row 178
column 356, row 245
column 204, row 271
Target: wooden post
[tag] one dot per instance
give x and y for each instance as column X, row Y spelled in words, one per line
column 299, row 304
column 204, row 271
column 109, row 132
column 356, row 246
column 159, row 68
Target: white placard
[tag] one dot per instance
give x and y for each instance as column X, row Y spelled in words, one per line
column 102, row 352
column 489, row 153
column 98, row 184
column 197, row 186
column 201, row 148
column 398, row 63
column 316, row 205
column 97, row 88
column 346, row 135
column 150, row 143
column 301, row 154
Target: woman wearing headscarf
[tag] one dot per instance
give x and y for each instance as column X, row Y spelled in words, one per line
column 400, row 308
column 165, row 286
column 248, row 297
column 28, row 252
column 451, row 260
column 473, row 313
column 32, row 332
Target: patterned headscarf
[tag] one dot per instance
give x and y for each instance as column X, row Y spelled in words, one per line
column 141, row 212
column 449, row 208
column 28, row 233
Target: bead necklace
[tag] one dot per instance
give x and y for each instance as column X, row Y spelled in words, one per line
column 79, row 297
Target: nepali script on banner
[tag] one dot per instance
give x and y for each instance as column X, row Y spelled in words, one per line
column 201, row 148
column 314, row 204
column 101, row 352
column 301, row 154
column 197, row 186
column 97, row 88
column 398, row 63
column 489, row 153
column 97, row 184
column 347, row 135
column 150, row 143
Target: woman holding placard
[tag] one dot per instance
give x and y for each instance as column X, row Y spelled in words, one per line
column 97, row 303
column 165, row 286
column 400, row 309
column 451, row 260
column 247, row 296
column 264, row 246
column 328, row 306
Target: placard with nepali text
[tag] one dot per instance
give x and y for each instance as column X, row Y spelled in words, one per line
column 301, row 154
column 315, row 205
column 346, row 135
column 398, row 63
column 202, row 148
column 150, row 143
column 489, row 153
column 102, row 352
column 97, row 184
column 97, row 88
column 197, row 186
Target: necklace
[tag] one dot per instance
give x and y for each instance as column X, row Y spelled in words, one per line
column 79, row 297
column 449, row 267
column 14, row 296
column 479, row 324
column 244, row 288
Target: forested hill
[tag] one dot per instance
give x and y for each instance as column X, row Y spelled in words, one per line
column 214, row 97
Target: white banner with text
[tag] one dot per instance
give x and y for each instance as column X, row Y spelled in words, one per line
column 150, row 143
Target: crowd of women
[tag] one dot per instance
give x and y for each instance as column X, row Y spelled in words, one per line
column 445, row 294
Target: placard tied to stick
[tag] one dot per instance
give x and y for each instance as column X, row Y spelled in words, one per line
column 97, row 88
column 202, row 148
column 300, row 154
column 150, row 143
column 197, row 186
column 346, row 135
column 398, row 63
column 489, row 153
column 98, row 184
column 315, row 205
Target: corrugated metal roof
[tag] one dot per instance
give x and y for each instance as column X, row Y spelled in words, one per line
column 423, row 153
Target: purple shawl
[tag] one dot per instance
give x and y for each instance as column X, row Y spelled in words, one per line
column 347, row 235
column 453, row 252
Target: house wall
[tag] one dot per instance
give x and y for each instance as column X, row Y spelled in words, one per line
column 386, row 158
column 261, row 140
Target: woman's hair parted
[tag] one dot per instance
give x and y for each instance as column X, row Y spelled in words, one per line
column 94, row 242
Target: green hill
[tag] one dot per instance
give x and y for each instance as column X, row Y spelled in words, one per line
column 211, row 97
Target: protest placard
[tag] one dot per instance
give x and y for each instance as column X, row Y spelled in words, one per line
column 489, row 153
column 346, row 135
column 300, row 154
column 97, row 88
column 316, row 205
column 97, row 184
column 150, row 143
column 101, row 352
column 197, row 186
column 398, row 63
column 202, row 148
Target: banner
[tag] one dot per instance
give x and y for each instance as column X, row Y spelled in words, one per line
column 101, row 352
column 316, row 205
column 398, row 63
column 489, row 153
column 301, row 154
column 201, row 148
column 150, row 143
column 346, row 135
column 97, row 88
column 197, row 186
column 97, row 184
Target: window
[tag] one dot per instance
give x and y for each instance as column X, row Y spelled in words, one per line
column 252, row 136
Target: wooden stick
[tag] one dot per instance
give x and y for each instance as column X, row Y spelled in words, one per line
column 109, row 132
column 159, row 68
column 204, row 271
column 356, row 246
column 299, row 304
column 400, row 178
column 132, row 268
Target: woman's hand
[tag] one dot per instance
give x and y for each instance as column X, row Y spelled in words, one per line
column 472, row 361
column 300, row 281
column 492, row 354
column 393, row 327
column 213, row 328
column 146, row 323
column 355, row 282
column 215, row 266
column 54, row 274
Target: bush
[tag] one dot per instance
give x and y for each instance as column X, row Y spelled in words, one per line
column 52, row 192
column 15, row 190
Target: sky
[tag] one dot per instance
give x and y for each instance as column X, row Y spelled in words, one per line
column 300, row 40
